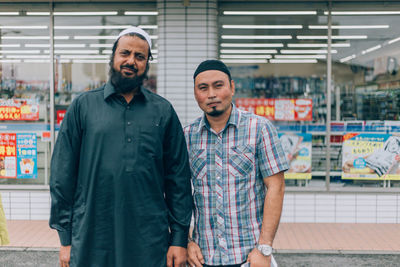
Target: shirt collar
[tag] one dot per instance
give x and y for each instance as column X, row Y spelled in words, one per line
column 110, row 90
column 234, row 119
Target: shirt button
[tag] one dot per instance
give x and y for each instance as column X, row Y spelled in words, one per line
column 129, row 140
column 218, row 177
column 128, row 107
column 129, row 123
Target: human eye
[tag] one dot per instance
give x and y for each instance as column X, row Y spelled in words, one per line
column 140, row 57
column 219, row 85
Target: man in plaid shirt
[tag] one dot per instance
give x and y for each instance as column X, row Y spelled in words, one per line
column 234, row 155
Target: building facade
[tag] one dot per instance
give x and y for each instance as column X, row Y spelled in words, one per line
column 325, row 72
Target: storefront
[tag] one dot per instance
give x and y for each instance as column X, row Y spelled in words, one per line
column 304, row 65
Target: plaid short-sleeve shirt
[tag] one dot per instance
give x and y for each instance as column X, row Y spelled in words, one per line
column 227, row 177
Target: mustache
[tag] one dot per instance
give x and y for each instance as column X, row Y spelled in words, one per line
column 131, row 67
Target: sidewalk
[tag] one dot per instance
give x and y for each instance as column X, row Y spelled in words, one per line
column 291, row 237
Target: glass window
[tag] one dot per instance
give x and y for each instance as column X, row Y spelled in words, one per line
column 83, row 38
column 366, row 83
column 280, row 73
column 24, row 89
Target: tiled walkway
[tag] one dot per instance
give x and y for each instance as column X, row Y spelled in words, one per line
column 291, row 237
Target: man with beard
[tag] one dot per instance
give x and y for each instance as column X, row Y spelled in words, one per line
column 120, row 178
column 233, row 155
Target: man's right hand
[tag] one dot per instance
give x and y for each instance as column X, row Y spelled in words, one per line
column 65, row 255
column 195, row 258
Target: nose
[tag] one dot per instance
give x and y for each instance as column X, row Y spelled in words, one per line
column 131, row 60
column 211, row 93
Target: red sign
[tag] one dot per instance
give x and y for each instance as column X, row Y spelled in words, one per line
column 278, row 109
column 18, row 110
column 60, row 115
column 8, row 155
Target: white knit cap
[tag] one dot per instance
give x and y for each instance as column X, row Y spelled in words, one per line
column 136, row 30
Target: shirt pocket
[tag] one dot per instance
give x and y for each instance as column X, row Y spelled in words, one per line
column 198, row 160
column 150, row 140
column 241, row 160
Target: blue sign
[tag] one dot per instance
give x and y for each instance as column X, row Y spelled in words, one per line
column 26, row 155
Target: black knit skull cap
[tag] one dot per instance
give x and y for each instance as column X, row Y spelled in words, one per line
column 212, row 64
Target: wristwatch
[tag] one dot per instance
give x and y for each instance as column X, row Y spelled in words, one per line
column 266, row 250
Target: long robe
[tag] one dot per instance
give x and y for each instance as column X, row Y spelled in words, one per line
column 120, row 180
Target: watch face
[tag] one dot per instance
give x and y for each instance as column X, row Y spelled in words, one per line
column 265, row 249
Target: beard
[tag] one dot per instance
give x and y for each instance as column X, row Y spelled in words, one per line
column 124, row 84
column 215, row 112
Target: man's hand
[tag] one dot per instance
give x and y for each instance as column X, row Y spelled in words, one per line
column 257, row 259
column 176, row 257
column 195, row 258
column 65, row 255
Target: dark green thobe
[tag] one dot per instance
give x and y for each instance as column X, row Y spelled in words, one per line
column 120, row 180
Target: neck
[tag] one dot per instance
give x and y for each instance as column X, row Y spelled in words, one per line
column 218, row 123
column 129, row 95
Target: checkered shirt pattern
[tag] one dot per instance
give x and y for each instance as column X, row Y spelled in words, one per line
column 227, row 177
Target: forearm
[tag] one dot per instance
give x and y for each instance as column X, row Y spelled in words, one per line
column 272, row 213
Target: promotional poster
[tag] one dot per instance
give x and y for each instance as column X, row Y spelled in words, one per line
column 371, row 156
column 297, row 148
column 18, row 155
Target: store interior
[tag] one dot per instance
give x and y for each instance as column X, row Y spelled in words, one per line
column 274, row 51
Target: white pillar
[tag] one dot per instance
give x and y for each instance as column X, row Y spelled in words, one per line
column 187, row 35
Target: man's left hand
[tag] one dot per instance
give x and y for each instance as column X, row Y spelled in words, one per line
column 176, row 257
column 257, row 259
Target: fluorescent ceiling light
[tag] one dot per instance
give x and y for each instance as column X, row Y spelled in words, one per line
column 250, row 45
column 101, row 27
column 20, row 51
column 57, row 45
column 108, row 52
column 140, row 13
column 293, row 61
column 310, row 51
column 300, row 56
column 73, row 51
column 38, row 13
column 319, row 45
column 85, row 56
column 10, row 45
column 24, row 27
column 246, row 56
column 103, row 37
column 9, row 13
column 102, row 45
column 394, row 40
column 10, row 60
column 102, row 13
column 29, row 56
column 334, row 37
column 37, row 61
column 245, row 60
column 262, row 26
column 148, row 26
column 96, row 37
column 107, row 13
column 315, row 27
column 256, row 37
column 270, row 12
column 345, row 59
column 371, row 49
column 34, row 37
column 90, row 61
column 363, row 12
column 251, row 51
